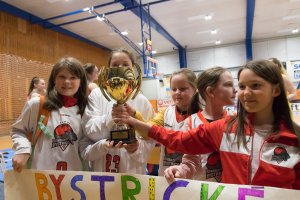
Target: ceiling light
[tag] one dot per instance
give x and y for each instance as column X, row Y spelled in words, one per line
column 154, row 52
column 213, row 32
column 290, row 17
column 124, row 33
column 100, row 18
column 208, row 17
column 140, row 43
column 218, row 42
column 295, row 30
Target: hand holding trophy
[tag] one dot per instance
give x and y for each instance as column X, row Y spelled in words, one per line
column 120, row 83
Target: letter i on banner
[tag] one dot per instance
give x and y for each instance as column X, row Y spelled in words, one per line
column 151, row 189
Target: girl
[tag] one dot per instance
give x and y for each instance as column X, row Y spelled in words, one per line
column 183, row 88
column 289, row 87
column 37, row 87
column 91, row 71
column 97, row 122
column 215, row 87
column 57, row 147
column 260, row 143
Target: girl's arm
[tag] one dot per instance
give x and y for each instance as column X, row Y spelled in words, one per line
column 96, row 120
column 204, row 139
column 142, row 153
column 20, row 130
column 92, row 151
column 187, row 169
column 296, row 184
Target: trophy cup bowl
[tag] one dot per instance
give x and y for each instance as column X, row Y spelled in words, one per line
column 120, row 84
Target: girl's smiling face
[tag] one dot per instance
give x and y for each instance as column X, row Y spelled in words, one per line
column 66, row 83
column 256, row 94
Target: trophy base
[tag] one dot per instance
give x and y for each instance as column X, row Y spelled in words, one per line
column 125, row 136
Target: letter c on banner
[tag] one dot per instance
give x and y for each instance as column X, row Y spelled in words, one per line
column 172, row 187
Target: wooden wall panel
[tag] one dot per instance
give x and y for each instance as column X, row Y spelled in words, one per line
column 28, row 50
column 33, row 42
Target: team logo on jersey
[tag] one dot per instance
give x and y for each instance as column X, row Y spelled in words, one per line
column 63, row 136
column 214, row 167
column 280, row 154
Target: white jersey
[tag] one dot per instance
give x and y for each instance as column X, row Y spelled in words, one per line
column 98, row 122
column 57, row 153
column 169, row 157
column 205, row 167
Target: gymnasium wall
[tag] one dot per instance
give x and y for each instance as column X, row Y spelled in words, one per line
column 28, row 50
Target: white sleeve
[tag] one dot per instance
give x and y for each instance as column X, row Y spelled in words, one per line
column 26, row 123
column 141, row 155
column 92, row 151
column 96, row 120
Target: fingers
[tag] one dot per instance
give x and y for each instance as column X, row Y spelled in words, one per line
column 169, row 175
column 119, row 144
column 17, row 164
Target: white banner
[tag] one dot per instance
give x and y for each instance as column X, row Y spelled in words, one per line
column 34, row 184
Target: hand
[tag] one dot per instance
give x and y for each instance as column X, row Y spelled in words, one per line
column 132, row 147
column 110, row 144
column 171, row 173
column 130, row 110
column 119, row 111
column 19, row 161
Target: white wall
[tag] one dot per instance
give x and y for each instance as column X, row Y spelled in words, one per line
column 285, row 49
column 231, row 57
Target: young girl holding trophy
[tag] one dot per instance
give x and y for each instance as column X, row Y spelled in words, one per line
column 259, row 146
column 183, row 87
column 103, row 146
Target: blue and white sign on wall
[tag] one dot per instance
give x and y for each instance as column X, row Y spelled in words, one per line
column 293, row 70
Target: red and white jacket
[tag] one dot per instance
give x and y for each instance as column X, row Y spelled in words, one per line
column 279, row 156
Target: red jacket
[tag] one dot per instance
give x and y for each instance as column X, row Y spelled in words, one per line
column 279, row 163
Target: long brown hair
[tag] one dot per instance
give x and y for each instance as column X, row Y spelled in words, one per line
column 34, row 80
column 209, row 77
column 53, row 101
column 271, row 73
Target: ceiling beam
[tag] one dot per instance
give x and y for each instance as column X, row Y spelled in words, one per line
column 74, row 12
column 153, row 23
column 249, row 28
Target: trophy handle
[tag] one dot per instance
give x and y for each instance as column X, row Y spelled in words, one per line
column 103, row 73
column 138, row 81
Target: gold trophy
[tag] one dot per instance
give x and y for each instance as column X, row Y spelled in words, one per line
column 121, row 84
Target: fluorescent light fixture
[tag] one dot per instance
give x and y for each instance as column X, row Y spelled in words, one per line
column 289, row 17
column 218, row 42
column 124, row 33
column 295, row 30
column 100, row 18
column 86, row 9
column 154, row 52
column 213, row 32
column 140, row 43
column 208, row 17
